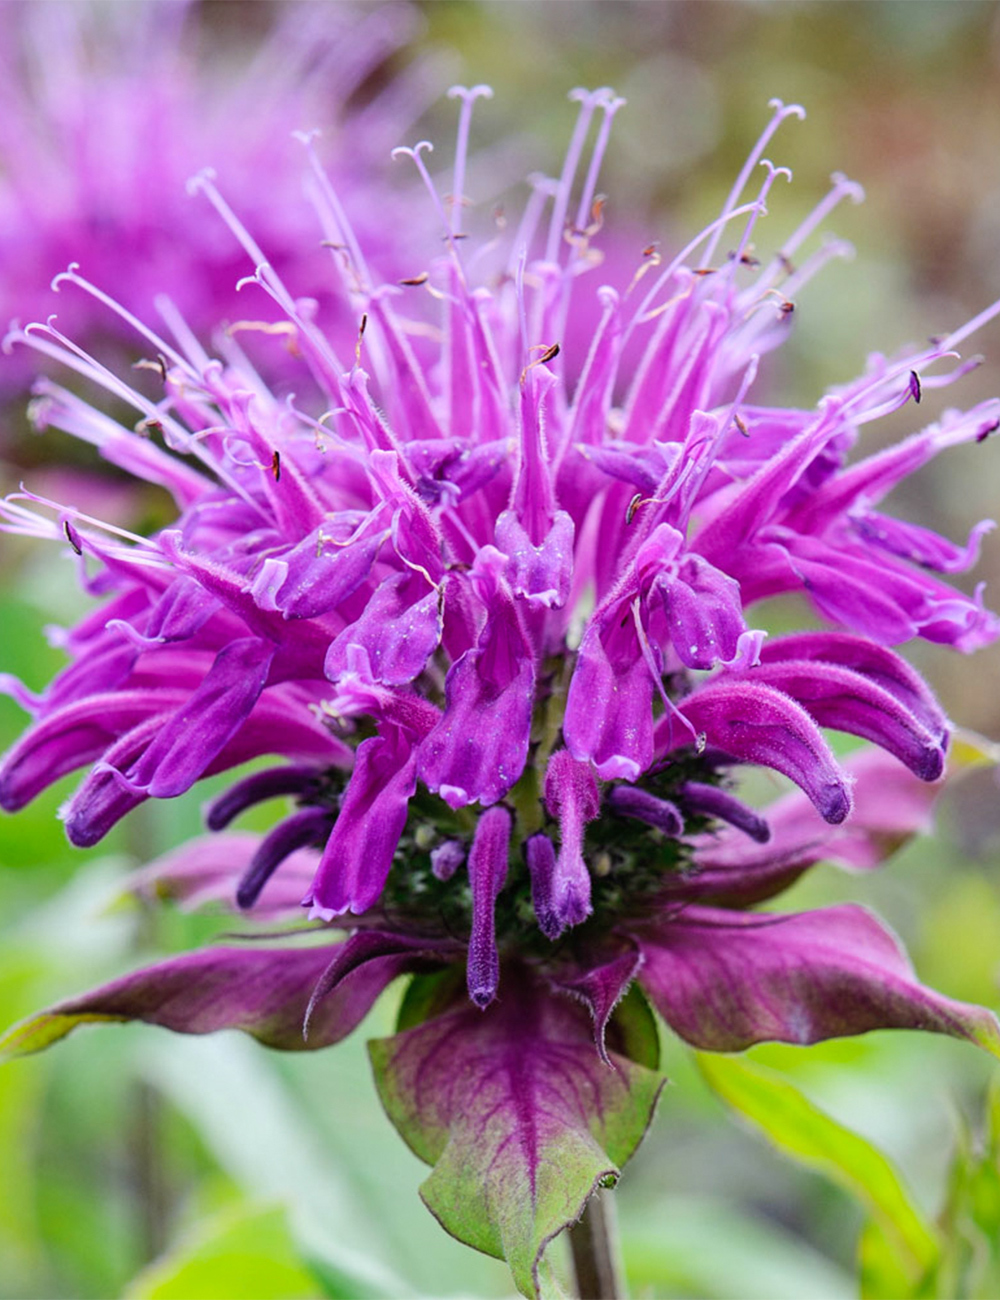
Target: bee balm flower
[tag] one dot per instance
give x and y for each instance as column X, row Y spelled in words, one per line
column 499, row 627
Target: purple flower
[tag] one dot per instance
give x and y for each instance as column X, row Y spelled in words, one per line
column 112, row 110
column 499, row 625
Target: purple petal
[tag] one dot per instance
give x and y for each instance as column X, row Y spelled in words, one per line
column 572, row 796
column 258, row 787
column 487, row 873
column 199, row 730
column 399, row 630
column 540, row 856
column 726, row 980
column 630, row 801
column 890, row 807
column 359, row 852
column 702, row 610
column 849, row 701
column 73, row 735
column 881, row 665
column 540, row 574
column 715, row 802
column 446, row 858
column 609, row 709
column 477, row 751
column 920, row 545
column 307, row 828
column 757, row 724
column 319, row 573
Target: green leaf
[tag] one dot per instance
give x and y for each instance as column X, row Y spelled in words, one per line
column 247, row 1253
column 883, row 1271
column 517, row 1113
column 812, row 1137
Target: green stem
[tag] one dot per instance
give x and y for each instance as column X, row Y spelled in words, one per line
column 594, row 1246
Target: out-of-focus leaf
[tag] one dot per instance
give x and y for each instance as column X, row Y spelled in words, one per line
column 805, row 1132
column 970, row 1221
column 236, row 1100
column 969, row 749
column 701, row 1246
column 883, row 1272
column 247, row 1253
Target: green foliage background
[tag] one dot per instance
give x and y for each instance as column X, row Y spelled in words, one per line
column 137, row 1164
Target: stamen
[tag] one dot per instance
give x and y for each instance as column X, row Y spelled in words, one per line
column 781, row 111
column 468, row 97
column 71, row 276
column 588, row 101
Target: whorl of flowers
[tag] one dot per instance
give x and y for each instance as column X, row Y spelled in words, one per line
column 109, row 109
column 496, row 625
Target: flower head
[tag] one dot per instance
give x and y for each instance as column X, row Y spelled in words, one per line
column 499, row 626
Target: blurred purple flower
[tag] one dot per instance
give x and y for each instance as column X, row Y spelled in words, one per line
column 107, row 111
column 498, row 622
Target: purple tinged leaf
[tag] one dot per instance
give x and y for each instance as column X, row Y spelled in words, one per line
column 487, row 873
column 601, row 988
column 726, row 980
column 263, row 991
column 757, row 724
column 571, row 796
column 518, row 1114
column 406, row 953
column 359, row 852
column 630, row 801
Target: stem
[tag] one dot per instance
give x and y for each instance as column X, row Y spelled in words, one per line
column 594, row 1246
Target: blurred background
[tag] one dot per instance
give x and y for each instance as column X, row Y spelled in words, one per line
column 138, row 1164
